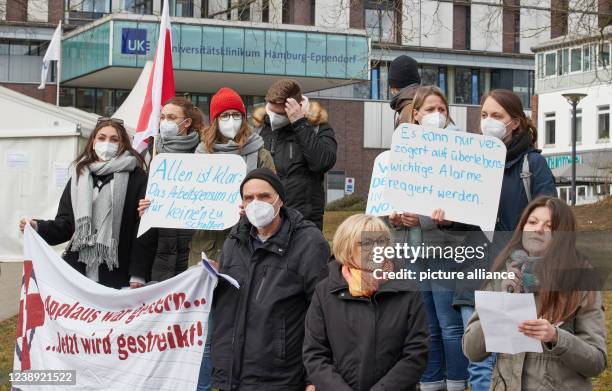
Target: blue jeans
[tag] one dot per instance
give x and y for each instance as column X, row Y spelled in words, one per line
column 480, row 372
column 204, row 380
column 447, row 366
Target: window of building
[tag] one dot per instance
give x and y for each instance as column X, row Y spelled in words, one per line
column 576, row 55
column 540, row 61
column 20, row 61
column 335, row 185
column 586, row 58
column 462, row 20
column 551, row 63
column 467, row 86
column 142, row 7
column 578, row 126
column 565, row 60
column 84, row 11
column 374, row 86
column 563, row 193
column 381, row 20
column 244, row 11
column 298, row 12
column 181, row 8
column 549, row 128
column 265, row 11
column 603, row 122
column 603, row 59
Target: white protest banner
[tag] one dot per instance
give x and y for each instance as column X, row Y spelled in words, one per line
column 193, row 191
column 377, row 206
column 151, row 338
column 458, row 172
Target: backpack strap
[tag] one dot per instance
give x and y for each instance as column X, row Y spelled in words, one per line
column 525, row 176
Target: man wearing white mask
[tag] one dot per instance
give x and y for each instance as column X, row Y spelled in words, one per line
column 302, row 143
column 278, row 257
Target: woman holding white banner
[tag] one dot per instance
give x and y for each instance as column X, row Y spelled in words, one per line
column 229, row 132
column 179, row 130
column 447, row 366
column 97, row 211
column 570, row 325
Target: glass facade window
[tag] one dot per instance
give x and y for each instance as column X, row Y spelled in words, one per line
column 84, row 11
column 586, row 58
column 380, row 20
column 576, row 55
column 604, row 55
column 551, row 64
column 433, row 75
column 467, row 86
column 182, row 8
column 603, row 122
column 21, row 61
column 549, row 128
column 142, row 7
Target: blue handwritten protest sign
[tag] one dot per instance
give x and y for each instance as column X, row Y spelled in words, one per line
column 193, row 191
column 427, row 169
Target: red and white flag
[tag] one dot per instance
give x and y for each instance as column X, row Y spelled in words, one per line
column 160, row 87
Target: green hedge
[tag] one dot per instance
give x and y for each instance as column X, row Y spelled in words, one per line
column 348, row 203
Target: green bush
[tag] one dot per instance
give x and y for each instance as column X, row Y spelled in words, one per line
column 351, row 202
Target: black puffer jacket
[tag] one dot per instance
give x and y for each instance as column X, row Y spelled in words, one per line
column 135, row 256
column 365, row 343
column 172, row 254
column 303, row 152
column 259, row 329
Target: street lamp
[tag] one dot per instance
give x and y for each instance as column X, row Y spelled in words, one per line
column 573, row 99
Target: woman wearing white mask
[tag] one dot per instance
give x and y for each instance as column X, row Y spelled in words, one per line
column 447, row 365
column 502, row 116
column 229, row 132
column 97, row 211
column 179, row 132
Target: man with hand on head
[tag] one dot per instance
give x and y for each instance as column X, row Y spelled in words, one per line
column 277, row 257
column 302, row 143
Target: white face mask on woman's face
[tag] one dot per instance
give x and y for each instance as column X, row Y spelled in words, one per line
column 230, row 127
column 260, row 213
column 169, row 128
column 433, row 120
column 494, row 127
column 106, row 150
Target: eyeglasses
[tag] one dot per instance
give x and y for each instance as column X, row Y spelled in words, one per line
column 368, row 244
column 226, row 116
column 109, row 119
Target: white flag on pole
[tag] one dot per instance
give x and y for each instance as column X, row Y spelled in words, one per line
column 52, row 54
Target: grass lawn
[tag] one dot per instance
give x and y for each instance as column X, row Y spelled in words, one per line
column 597, row 217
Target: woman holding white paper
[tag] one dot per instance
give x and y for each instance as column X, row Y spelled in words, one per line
column 571, row 326
column 97, row 211
column 447, row 366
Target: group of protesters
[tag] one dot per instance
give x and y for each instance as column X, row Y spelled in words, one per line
column 307, row 317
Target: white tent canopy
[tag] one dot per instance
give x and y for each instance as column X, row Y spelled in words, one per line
column 38, row 142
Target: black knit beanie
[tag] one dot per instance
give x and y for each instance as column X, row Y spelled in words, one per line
column 403, row 71
column 267, row 175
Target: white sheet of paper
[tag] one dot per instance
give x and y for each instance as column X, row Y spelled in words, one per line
column 500, row 314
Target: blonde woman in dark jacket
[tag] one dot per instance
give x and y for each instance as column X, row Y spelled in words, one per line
column 571, row 326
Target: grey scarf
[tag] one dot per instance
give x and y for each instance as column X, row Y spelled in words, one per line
column 249, row 152
column 177, row 144
column 98, row 222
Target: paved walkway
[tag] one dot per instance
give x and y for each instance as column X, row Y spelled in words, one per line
column 10, row 284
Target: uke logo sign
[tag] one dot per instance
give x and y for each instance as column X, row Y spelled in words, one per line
column 134, row 41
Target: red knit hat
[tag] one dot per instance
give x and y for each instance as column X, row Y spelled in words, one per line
column 225, row 99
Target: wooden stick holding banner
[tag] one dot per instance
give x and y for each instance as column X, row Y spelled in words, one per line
column 193, row 191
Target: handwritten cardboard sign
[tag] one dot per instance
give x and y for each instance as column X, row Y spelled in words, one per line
column 193, row 191
column 427, row 169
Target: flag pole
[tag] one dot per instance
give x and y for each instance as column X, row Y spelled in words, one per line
column 58, row 66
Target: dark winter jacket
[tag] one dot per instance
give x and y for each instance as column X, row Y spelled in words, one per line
column 259, row 329
column 402, row 105
column 512, row 202
column 303, row 152
column 135, row 257
column 361, row 343
column 172, row 254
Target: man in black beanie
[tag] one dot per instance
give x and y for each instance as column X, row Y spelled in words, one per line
column 278, row 258
column 404, row 80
